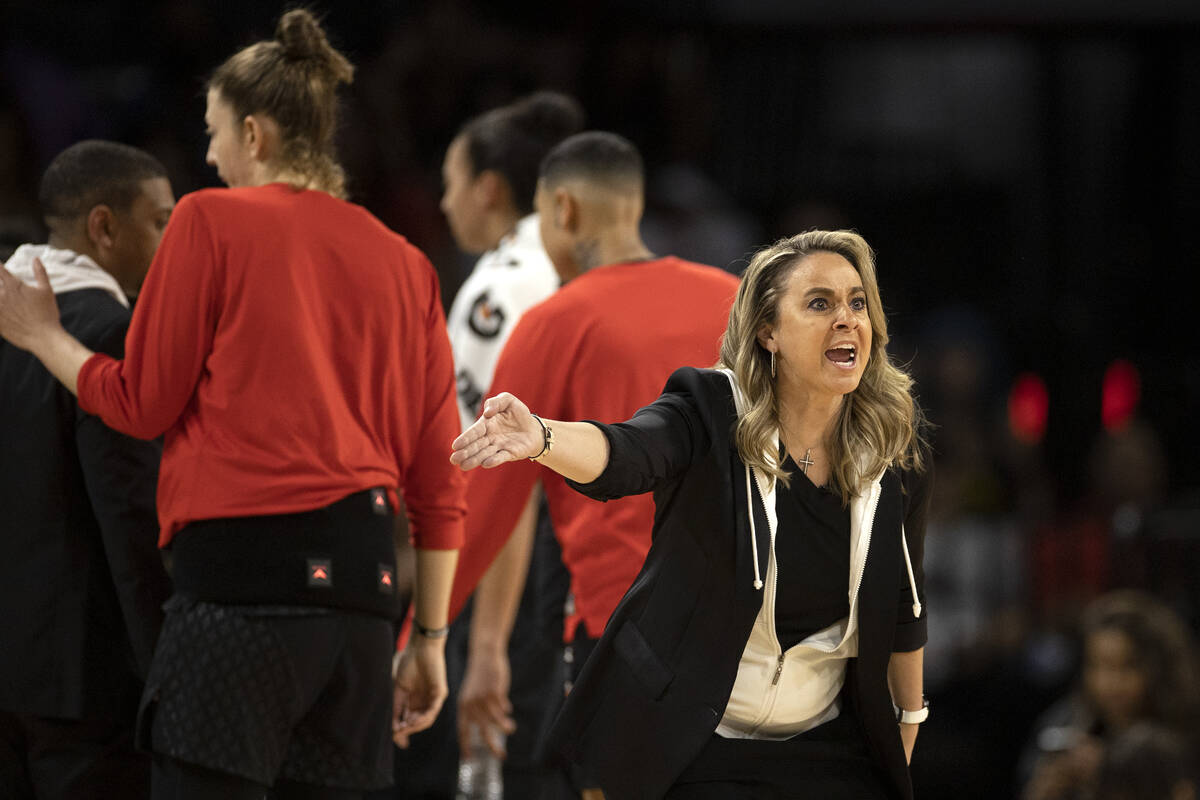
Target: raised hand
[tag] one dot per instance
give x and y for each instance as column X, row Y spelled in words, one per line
column 505, row 431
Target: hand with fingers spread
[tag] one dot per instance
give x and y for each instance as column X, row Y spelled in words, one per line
column 28, row 314
column 505, row 431
column 483, row 702
column 420, row 687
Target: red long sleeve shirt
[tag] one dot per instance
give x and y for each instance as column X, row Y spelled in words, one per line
column 600, row 348
column 291, row 350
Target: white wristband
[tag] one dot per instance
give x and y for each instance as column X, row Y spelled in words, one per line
column 905, row 717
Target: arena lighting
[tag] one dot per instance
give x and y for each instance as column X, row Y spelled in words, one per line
column 1028, row 408
column 1120, row 394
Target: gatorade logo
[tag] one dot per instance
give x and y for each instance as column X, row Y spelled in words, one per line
column 387, row 579
column 486, row 319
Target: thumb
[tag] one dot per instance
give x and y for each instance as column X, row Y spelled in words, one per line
column 39, row 274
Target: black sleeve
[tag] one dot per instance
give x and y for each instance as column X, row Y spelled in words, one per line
column 121, row 476
column 655, row 446
column 912, row 632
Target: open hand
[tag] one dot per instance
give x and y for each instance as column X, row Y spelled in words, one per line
column 505, row 431
column 27, row 313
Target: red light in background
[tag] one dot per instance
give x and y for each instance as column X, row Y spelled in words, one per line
column 1028, row 408
column 1120, row 395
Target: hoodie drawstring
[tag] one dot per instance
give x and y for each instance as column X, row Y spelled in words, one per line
column 758, row 584
column 912, row 581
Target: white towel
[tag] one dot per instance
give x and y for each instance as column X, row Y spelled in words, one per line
column 68, row 270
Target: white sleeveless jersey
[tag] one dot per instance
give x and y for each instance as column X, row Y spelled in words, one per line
column 505, row 283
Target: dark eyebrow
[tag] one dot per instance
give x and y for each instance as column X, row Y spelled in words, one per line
column 821, row 290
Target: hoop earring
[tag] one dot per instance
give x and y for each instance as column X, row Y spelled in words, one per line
column 772, row 364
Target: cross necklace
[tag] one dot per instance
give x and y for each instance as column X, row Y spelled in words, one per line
column 805, row 462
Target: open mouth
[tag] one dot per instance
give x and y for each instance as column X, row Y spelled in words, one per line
column 844, row 356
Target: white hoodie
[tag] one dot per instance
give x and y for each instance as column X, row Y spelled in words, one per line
column 778, row 694
column 67, row 270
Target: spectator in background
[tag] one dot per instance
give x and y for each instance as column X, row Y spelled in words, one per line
column 489, row 176
column 292, row 351
column 692, row 215
column 81, row 606
column 1139, row 665
column 1146, row 762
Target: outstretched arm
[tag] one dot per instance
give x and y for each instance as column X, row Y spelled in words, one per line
column 507, row 431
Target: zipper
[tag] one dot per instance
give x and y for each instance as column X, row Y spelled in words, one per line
column 773, row 587
column 876, row 491
column 768, row 702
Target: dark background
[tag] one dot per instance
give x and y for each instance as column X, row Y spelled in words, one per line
column 1028, row 172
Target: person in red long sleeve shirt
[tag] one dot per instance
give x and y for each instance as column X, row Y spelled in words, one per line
column 292, row 353
column 600, row 348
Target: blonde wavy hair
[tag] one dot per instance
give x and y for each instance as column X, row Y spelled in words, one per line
column 879, row 424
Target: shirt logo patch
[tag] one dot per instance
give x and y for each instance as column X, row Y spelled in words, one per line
column 485, row 319
column 320, row 572
column 387, row 579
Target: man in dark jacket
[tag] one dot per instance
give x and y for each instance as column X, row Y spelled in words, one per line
column 80, row 603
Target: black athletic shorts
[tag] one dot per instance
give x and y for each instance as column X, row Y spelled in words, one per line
column 270, row 692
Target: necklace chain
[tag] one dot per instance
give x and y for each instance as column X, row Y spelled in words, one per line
column 803, row 463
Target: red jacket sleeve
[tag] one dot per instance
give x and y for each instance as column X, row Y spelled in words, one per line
column 169, row 338
column 433, row 487
column 495, row 497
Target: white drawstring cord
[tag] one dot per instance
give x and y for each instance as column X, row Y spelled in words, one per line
column 738, row 403
column 758, row 584
column 912, row 581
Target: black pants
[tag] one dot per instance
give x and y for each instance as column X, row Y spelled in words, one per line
column 829, row 762
column 568, row 780
column 70, row 759
column 272, row 694
column 176, row 780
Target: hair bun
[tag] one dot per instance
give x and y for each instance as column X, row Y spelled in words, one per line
column 550, row 114
column 302, row 39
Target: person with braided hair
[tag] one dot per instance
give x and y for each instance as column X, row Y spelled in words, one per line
column 292, row 353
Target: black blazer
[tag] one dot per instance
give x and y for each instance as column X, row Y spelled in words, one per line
column 83, row 583
column 654, row 689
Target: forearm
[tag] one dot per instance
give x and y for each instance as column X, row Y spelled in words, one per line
column 498, row 595
column 906, row 682
column 63, row 356
column 431, row 594
column 580, row 451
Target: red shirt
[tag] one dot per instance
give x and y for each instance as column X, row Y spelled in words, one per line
column 291, row 350
column 601, row 348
